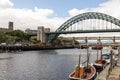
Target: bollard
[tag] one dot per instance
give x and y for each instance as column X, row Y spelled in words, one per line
column 118, row 51
column 111, row 59
column 107, row 77
column 119, row 77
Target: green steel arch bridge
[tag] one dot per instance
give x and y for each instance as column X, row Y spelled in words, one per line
column 90, row 22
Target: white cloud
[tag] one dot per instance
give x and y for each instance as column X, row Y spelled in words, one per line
column 27, row 18
column 44, row 12
column 5, row 4
column 75, row 11
column 111, row 7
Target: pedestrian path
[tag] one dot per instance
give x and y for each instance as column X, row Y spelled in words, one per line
column 115, row 74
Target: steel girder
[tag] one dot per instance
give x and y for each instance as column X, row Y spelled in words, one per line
column 85, row 16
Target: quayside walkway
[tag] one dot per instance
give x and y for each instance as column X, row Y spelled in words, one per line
column 115, row 73
column 112, row 71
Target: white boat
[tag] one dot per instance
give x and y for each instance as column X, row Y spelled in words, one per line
column 106, row 57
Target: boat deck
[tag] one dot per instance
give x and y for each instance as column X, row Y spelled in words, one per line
column 86, row 75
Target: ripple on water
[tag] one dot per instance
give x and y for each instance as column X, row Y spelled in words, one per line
column 41, row 65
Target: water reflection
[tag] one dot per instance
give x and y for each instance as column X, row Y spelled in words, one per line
column 41, row 65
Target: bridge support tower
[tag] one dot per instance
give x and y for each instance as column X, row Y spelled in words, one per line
column 113, row 39
column 73, row 41
column 41, row 33
column 99, row 39
column 86, row 40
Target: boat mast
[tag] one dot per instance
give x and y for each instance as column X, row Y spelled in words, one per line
column 101, row 52
column 97, row 51
column 79, row 66
column 87, row 55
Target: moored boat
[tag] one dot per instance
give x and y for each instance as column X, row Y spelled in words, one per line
column 83, row 73
column 106, row 57
column 101, row 63
column 95, row 48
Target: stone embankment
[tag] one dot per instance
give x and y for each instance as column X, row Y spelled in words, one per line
column 115, row 73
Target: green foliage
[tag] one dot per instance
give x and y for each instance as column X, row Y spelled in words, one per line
column 34, row 41
column 3, row 37
column 67, row 41
column 19, row 35
column 76, row 42
column 57, row 42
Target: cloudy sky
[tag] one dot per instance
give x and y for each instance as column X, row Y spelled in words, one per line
column 51, row 13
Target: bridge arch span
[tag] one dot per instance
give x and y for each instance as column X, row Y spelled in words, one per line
column 85, row 16
column 88, row 15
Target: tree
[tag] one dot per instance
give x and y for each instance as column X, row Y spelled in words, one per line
column 34, row 41
column 3, row 37
column 19, row 35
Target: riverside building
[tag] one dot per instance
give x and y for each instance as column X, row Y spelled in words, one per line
column 10, row 27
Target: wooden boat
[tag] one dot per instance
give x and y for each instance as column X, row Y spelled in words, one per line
column 100, row 64
column 84, row 72
column 95, row 48
column 84, row 47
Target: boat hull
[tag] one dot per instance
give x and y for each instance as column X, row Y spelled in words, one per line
column 91, row 74
column 97, row 48
column 98, row 68
column 93, row 78
column 100, row 65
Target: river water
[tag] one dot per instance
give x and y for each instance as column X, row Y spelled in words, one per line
column 42, row 65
